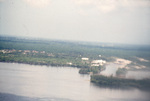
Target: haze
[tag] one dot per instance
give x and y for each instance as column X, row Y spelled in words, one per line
column 114, row 21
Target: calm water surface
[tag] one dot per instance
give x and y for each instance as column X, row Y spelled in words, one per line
column 139, row 74
column 22, row 82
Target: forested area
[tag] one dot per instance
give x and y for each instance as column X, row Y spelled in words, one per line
column 65, row 53
column 110, row 81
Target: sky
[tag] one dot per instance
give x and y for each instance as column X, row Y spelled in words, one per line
column 111, row 21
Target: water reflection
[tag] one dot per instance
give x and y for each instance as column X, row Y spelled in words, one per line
column 59, row 83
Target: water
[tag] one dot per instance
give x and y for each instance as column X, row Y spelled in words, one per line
column 22, row 82
column 138, row 74
column 112, row 68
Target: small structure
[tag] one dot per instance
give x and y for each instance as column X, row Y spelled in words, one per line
column 7, row 51
column 27, row 51
column 85, row 59
column 98, row 62
column 34, row 51
column 42, row 52
column 69, row 63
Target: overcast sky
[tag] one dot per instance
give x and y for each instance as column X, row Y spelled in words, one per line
column 115, row 21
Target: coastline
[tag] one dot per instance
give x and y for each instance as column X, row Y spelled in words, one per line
column 39, row 64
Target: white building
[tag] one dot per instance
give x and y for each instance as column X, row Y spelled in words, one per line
column 85, row 59
column 98, row 62
column 69, row 63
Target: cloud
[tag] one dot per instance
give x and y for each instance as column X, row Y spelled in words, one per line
column 106, row 5
column 136, row 3
column 82, row 12
column 2, row 0
column 83, row 2
column 110, row 5
column 38, row 3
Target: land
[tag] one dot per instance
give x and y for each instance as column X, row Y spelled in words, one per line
column 68, row 53
column 115, row 82
column 91, row 58
column 45, row 52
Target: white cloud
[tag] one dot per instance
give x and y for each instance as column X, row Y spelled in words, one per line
column 2, row 0
column 106, row 5
column 110, row 5
column 38, row 3
column 82, row 12
column 136, row 3
column 83, row 2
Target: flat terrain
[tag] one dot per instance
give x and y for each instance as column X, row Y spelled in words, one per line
column 66, row 53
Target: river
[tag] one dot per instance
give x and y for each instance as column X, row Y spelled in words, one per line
column 23, row 82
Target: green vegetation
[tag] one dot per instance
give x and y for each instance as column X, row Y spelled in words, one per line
column 120, row 82
column 41, row 59
column 93, row 70
column 76, row 48
column 63, row 53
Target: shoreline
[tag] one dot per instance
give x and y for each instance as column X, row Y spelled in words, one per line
column 110, row 81
column 38, row 64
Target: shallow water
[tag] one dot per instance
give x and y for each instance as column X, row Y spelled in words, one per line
column 138, row 74
column 24, row 82
column 112, row 68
